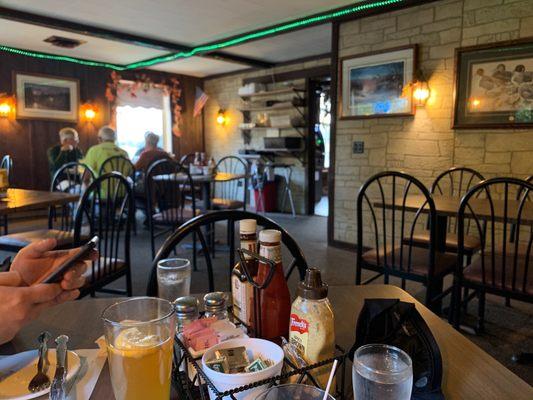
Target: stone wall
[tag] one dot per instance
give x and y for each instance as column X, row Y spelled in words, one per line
column 425, row 145
column 227, row 140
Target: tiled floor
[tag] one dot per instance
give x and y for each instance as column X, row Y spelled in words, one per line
column 507, row 329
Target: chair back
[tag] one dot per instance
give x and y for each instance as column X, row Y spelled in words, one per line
column 7, row 163
column 503, row 222
column 169, row 194
column 187, row 159
column 70, row 178
column 199, row 224
column 455, row 182
column 118, row 164
column 106, row 209
column 387, row 215
column 235, row 189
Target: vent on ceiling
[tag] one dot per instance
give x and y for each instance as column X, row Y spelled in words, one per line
column 64, row 42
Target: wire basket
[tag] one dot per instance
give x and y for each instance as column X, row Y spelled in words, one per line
column 191, row 383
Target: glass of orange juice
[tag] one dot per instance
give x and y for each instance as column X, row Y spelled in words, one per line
column 139, row 335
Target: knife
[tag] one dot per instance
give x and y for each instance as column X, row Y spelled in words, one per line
column 57, row 390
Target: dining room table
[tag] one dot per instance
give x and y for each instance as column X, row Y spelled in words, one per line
column 17, row 200
column 468, row 371
column 446, row 207
column 205, row 180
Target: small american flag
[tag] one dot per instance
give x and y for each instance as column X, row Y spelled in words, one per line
column 199, row 101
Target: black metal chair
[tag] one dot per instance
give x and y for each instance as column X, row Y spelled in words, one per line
column 391, row 231
column 125, row 167
column 105, row 209
column 228, row 194
column 7, row 164
column 187, row 159
column 454, row 182
column 196, row 225
column 502, row 266
column 169, row 202
column 118, row 164
column 69, row 178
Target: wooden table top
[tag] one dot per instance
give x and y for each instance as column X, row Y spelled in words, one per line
column 23, row 199
column 448, row 206
column 218, row 177
column 468, row 371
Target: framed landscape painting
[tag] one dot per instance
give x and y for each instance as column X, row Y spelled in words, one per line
column 494, row 86
column 377, row 84
column 47, row 97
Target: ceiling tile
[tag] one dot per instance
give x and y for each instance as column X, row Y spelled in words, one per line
column 30, row 37
column 198, row 66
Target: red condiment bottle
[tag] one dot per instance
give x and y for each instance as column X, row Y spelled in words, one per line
column 275, row 299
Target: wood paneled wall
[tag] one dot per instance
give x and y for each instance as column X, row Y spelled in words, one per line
column 27, row 140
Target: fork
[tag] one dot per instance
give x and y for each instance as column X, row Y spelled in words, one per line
column 41, row 381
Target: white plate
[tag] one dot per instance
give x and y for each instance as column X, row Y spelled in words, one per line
column 15, row 387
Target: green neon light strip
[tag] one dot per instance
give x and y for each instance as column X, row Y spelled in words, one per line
column 205, row 48
column 61, row 58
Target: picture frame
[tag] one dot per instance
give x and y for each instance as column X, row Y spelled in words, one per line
column 494, row 86
column 46, row 97
column 378, row 84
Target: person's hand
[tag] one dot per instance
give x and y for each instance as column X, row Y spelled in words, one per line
column 37, row 259
column 67, row 147
column 19, row 305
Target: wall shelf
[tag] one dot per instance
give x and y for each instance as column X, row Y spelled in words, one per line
column 277, row 92
column 275, row 107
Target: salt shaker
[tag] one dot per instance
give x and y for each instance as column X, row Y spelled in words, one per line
column 215, row 305
column 186, row 309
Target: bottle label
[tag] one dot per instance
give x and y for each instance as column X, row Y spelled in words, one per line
column 299, row 333
column 271, row 252
column 242, row 294
column 250, row 245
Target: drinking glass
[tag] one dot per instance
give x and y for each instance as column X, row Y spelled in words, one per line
column 173, row 278
column 139, row 336
column 294, row 392
column 381, row 372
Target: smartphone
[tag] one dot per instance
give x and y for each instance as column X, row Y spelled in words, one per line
column 56, row 275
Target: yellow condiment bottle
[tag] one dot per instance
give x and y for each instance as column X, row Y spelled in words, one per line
column 312, row 325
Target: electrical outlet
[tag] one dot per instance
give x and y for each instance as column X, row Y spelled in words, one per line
column 358, row 147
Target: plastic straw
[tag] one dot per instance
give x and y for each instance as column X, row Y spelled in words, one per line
column 330, row 380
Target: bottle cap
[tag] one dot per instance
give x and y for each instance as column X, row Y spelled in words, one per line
column 312, row 286
column 247, row 226
column 270, row 236
column 186, row 305
column 215, row 301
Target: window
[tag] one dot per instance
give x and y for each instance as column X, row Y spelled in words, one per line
column 146, row 111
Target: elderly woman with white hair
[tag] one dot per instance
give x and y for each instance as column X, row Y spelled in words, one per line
column 66, row 151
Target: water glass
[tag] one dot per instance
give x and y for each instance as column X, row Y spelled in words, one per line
column 173, row 278
column 381, row 372
column 294, row 392
column 139, row 336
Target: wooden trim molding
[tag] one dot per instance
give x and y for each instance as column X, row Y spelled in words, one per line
column 333, row 131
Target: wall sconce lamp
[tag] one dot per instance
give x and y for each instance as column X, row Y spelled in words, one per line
column 89, row 111
column 7, row 106
column 222, row 119
column 421, row 91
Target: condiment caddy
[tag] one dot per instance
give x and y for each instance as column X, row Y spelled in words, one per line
column 263, row 309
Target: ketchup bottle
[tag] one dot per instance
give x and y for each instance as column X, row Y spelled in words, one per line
column 275, row 299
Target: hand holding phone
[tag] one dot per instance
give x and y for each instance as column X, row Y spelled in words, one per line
column 56, row 275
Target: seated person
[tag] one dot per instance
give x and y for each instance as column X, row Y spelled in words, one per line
column 150, row 153
column 65, row 152
column 106, row 148
column 20, row 301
